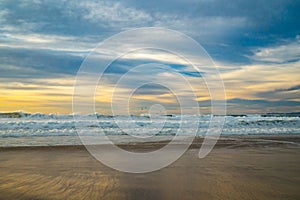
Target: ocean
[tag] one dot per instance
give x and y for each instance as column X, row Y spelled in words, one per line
column 24, row 129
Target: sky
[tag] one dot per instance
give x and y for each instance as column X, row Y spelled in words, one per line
column 255, row 45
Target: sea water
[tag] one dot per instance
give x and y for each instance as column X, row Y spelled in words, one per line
column 23, row 129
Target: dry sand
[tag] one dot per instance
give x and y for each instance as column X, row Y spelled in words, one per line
column 252, row 167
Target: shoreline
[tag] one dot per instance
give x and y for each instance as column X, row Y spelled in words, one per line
column 237, row 168
column 223, row 141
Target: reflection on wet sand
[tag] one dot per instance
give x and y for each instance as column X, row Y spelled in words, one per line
column 234, row 170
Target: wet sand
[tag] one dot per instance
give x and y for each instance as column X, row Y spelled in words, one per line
column 243, row 167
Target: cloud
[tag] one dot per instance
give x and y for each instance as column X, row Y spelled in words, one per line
column 34, row 63
column 226, row 31
column 261, row 102
column 64, row 44
column 289, row 52
column 254, row 81
column 192, row 74
column 114, row 13
column 291, row 93
column 256, row 44
column 297, row 87
column 255, row 106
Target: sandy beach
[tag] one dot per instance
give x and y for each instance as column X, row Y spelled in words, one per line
column 243, row 167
